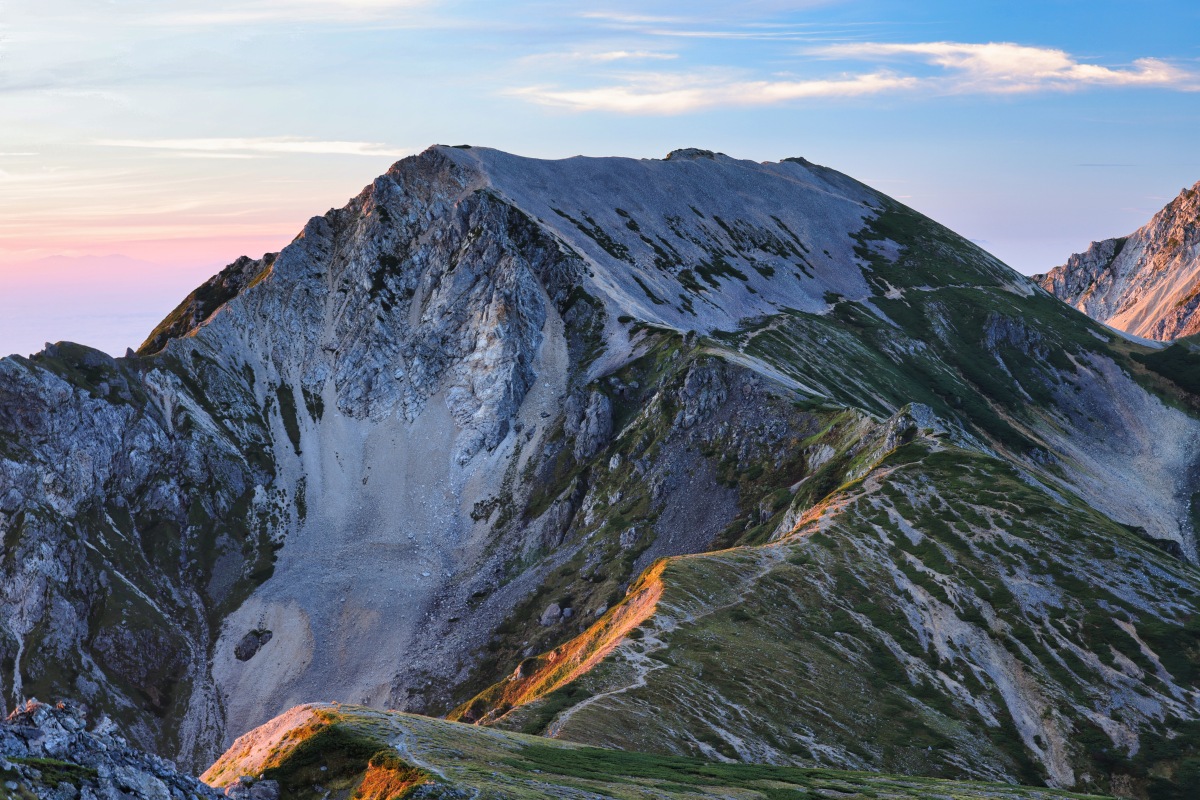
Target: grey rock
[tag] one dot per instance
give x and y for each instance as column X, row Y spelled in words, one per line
column 594, row 427
column 264, row 790
column 551, row 615
column 298, row 408
column 1143, row 283
column 250, row 644
column 106, row 772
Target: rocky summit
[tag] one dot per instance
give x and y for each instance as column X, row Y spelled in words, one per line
column 1146, row 283
column 692, row 458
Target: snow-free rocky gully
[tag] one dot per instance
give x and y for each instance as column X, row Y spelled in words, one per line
column 692, row 477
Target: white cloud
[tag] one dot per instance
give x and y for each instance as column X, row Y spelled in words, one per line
column 632, row 19
column 1006, row 67
column 244, row 147
column 993, row 68
column 255, row 11
column 600, row 56
column 677, row 94
column 625, row 55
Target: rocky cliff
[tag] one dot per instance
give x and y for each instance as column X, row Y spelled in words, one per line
column 1147, row 283
column 432, row 454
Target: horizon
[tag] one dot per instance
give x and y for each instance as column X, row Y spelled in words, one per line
column 158, row 146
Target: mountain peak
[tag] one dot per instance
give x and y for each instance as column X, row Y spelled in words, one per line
column 691, row 154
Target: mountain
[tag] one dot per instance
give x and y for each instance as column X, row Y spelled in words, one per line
column 697, row 457
column 1147, row 283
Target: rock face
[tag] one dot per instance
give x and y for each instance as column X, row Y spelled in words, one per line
column 368, row 469
column 1147, row 283
column 49, row 752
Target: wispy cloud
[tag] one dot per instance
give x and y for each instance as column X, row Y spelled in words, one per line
column 248, row 147
column 790, row 34
column 1007, row 67
column 632, row 19
column 960, row 68
column 734, row 26
column 253, row 11
column 599, row 56
column 676, row 94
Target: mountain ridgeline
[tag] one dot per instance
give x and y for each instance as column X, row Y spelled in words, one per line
column 696, row 457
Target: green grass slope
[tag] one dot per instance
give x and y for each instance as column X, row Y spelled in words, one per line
column 347, row 751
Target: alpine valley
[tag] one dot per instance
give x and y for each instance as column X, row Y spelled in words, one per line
column 733, row 479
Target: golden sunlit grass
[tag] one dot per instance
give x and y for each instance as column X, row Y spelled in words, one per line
column 540, row 675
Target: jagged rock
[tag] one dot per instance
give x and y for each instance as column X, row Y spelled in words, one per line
column 240, row 789
column 248, row 788
column 264, row 790
column 702, row 392
column 590, row 423
column 1146, row 283
column 93, row 763
column 629, row 538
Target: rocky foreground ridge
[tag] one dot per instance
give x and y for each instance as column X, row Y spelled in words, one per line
column 1146, row 283
column 49, row 752
column 696, row 457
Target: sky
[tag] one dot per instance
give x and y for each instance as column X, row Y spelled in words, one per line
column 144, row 144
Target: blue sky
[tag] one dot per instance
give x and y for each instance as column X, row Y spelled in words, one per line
column 147, row 143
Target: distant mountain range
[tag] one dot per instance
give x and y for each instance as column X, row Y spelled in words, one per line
column 1146, row 283
column 692, row 457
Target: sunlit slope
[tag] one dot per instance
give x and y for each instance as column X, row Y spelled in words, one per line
column 355, row 752
column 1146, row 283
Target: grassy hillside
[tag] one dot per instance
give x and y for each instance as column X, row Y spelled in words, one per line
column 349, row 751
column 938, row 616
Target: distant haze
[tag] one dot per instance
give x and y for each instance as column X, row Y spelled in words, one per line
column 107, row 302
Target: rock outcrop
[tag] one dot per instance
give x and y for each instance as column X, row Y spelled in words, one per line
column 49, row 752
column 1146, row 283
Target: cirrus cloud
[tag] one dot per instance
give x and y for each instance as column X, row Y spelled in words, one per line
column 657, row 93
column 268, row 11
column 959, row 68
column 1009, row 67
